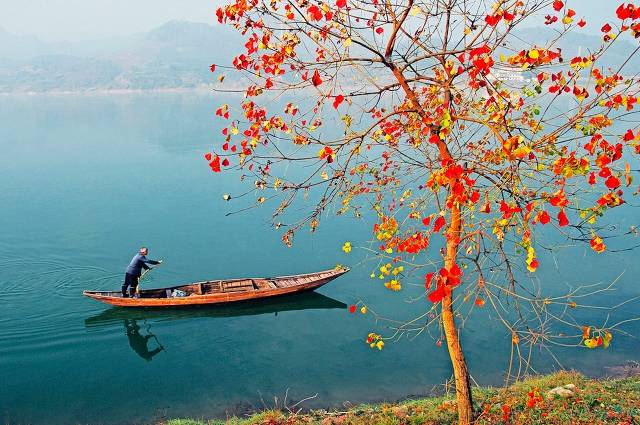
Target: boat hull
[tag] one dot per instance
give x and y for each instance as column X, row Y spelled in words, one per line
column 308, row 282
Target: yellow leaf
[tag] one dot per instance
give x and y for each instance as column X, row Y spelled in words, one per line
column 590, row 343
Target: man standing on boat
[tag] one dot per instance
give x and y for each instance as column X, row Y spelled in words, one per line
column 134, row 271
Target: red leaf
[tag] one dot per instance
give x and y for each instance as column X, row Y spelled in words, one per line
column 492, row 20
column 558, row 5
column 455, row 271
column 207, row 156
column 562, row 218
column 426, row 221
column 628, row 136
column 379, row 30
column 427, row 280
column 213, row 68
column 475, row 196
column 612, row 182
column 437, row 225
column 341, row 3
column 337, row 101
column 582, row 23
column 543, row 217
column 352, row 309
column 225, row 162
column 315, row 14
column 215, row 164
column 437, row 295
column 316, row 80
column 605, row 28
column 624, row 12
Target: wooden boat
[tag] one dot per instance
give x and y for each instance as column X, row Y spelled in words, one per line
column 274, row 305
column 220, row 291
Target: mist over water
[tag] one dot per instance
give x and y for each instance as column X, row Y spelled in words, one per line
column 85, row 180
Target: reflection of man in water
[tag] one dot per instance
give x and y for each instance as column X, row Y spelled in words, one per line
column 138, row 342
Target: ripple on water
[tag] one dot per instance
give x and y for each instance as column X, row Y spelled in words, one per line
column 25, row 276
column 41, row 303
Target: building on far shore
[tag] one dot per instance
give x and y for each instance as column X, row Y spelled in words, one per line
column 512, row 75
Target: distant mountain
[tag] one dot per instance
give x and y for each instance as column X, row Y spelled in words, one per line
column 175, row 55
column 17, row 46
column 178, row 54
column 582, row 44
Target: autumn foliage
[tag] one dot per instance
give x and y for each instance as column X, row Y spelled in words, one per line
column 458, row 135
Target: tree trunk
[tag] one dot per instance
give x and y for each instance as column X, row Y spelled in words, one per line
column 460, row 371
column 461, row 374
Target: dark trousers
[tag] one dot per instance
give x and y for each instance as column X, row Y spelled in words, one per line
column 131, row 282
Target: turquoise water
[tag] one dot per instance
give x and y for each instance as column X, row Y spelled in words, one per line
column 85, row 180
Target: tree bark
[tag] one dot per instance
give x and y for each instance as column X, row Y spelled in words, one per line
column 460, row 372
column 463, row 385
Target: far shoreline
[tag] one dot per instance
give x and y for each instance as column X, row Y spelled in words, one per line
column 177, row 90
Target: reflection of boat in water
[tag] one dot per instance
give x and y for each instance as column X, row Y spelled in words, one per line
column 304, row 301
column 220, row 291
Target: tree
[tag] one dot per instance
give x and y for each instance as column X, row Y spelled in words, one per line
column 459, row 132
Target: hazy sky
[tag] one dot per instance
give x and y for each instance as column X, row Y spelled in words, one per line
column 54, row 20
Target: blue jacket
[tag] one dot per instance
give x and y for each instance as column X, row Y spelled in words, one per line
column 139, row 262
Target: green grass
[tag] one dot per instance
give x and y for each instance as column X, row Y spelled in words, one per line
column 593, row 402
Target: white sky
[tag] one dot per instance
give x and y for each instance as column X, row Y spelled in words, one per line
column 74, row 20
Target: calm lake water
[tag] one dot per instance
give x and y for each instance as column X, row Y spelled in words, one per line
column 85, row 180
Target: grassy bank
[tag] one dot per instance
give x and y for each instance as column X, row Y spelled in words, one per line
column 583, row 401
